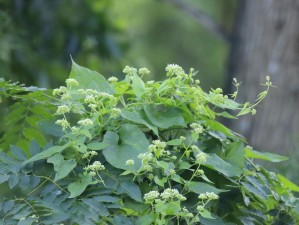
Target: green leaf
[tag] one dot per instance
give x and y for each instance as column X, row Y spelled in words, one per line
column 206, row 214
column 164, row 117
column 169, row 208
column 131, row 189
column 234, row 154
column 56, row 160
column 160, row 182
column 287, row 183
column 120, row 219
column 267, row 156
column 254, row 190
column 61, row 166
column 200, row 188
column 13, row 180
column 47, row 153
column 78, row 187
column 66, row 167
column 216, row 163
column 174, row 142
column 127, row 144
column 216, row 126
column 226, row 115
column 121, row 87
column 96, row 146
column 138, row 85
column 147, row 219
column 89, row 79
column 138, row 117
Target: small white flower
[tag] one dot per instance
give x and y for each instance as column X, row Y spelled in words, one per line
column 66, row 96
column 89, row 99
column 150, row 82
column 112, row 79
column 92, row 173
column 85, row 122
column 174, row 70
column 60, row 90
column 200, row 208
column 72, row 82
column 62, row 109
column 197, row 128
column 130, row 162
column 96, row 166
column 63, row 122
column 129, row 70
column 144, row 71
column 201, row 158
column 151, row 196
column 172, row 172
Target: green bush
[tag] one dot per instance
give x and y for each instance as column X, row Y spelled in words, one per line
column 129, row 152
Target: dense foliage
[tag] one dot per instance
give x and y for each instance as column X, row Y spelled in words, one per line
column 129, row 152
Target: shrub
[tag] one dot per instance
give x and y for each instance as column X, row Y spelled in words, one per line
column 129, row 152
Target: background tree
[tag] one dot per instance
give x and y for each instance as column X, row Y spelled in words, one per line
column 266, row 42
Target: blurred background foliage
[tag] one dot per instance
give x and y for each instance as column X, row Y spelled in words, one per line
column 38, row 38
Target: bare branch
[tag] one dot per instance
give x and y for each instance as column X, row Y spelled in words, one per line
column 202, row 18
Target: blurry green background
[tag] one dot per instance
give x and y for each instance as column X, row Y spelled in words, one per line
column 38, row 38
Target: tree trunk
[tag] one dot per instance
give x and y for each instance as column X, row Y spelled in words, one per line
column 266, row 42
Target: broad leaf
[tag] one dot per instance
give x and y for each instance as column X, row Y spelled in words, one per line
column 164, row 117
column 47, row 153
column 234, row 154
column 61, row 166
column 138, row 85
column 201, row 188
column 267, row 156
column 131, row 189
column 216, row 163
column 287, row 183
column 89, row 79
column 147, row 219
column 78, row 187
column 96, row 146
column 127, row 144
column 138, row 117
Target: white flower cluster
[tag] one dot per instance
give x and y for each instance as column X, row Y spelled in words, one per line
column 167, row 195
column 130, row 162
column 63, row 123
column 112, row 79
column 96, row 166
column 208, row 196
column 175, row 70
column 62, row 109
column 89, row 154
column 201, row 158
column 144, row 71
column 129, row 70
column 85, row 122
column 151, row 196
column 71, row 82
column 158, row 148
column 115, row 112
column 146, row 157
column 60, row 91
column 197, row 128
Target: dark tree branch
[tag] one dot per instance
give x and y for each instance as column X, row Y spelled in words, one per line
column 202, row 18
